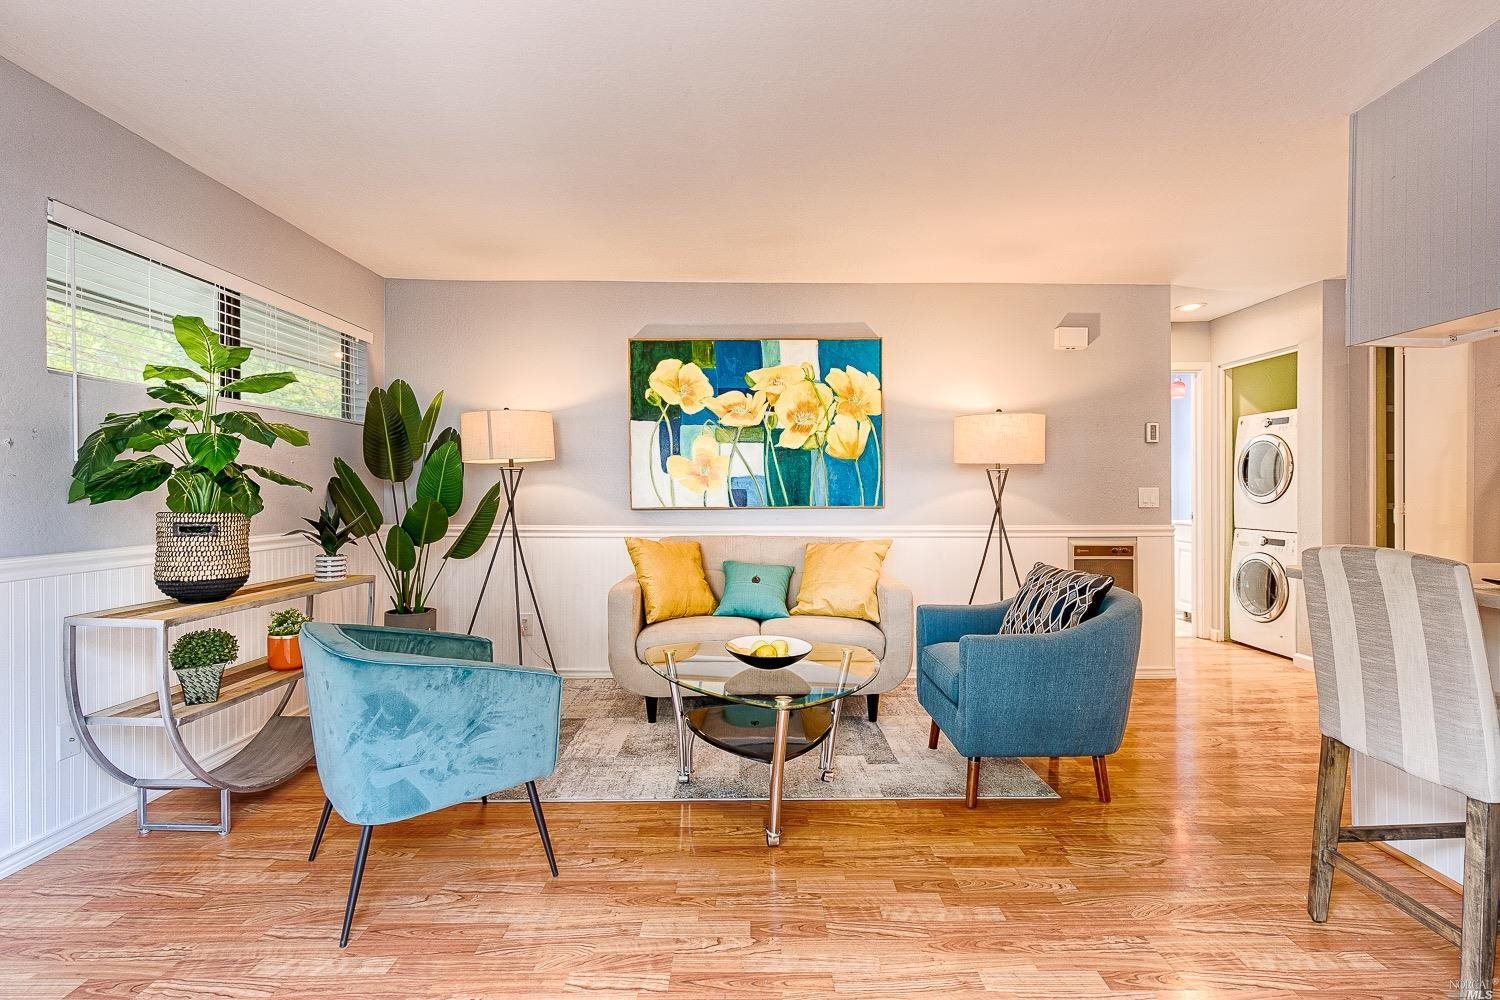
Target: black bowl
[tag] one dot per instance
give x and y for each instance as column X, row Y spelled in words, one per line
column 799, row 649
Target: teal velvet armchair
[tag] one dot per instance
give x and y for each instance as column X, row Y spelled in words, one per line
column 408, row 722
column 1064, row 694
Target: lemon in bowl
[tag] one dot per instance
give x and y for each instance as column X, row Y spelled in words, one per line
column 768, row 652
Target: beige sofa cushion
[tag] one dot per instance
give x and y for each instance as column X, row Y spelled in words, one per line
column 697, row 628
column 839, row 631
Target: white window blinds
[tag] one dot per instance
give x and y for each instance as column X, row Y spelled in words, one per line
column 110, row 309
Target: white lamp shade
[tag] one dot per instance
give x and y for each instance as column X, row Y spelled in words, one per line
column 497, row 437
column 1000, row 438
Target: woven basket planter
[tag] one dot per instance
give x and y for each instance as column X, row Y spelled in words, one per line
column 200, row 685
column 201, row 557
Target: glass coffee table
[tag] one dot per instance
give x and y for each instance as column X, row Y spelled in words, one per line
column 765, row 715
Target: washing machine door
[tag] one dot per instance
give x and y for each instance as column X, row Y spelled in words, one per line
column 1264, row 469
column 1260, row 586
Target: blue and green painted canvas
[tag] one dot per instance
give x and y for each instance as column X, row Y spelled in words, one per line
column 721, row 424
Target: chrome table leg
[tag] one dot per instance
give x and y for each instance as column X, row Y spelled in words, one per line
column 684, row 735
column 778, row 766
column 825, row 758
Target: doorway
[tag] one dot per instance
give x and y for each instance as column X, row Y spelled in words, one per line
column 1184, row 405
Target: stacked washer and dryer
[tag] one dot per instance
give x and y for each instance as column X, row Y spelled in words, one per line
column 1265, row 532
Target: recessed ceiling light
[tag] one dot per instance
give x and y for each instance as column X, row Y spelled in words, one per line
column 1188, row 307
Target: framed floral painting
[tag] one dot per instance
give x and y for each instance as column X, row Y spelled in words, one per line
column 718, row 424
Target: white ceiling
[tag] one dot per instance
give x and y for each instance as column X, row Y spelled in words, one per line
column 1199, row 143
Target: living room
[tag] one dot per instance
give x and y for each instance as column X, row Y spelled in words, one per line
column 677, row 498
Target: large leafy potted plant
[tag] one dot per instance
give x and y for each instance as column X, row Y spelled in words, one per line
column 203, row 537
column 396, row 435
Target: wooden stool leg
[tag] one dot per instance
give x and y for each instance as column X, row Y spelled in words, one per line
column 1328, row 811
column 932, row 737
column 971, row 789
column 1101, row 778
column 1481, row 897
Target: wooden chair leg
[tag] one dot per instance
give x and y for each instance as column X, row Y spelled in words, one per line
column 650, row 709
column 1101, row 778
column 1328, row 811
column 1476, row 963
column 971, row 788
column 872, row 707
column 932, row 736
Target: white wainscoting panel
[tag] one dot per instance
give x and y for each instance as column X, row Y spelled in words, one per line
column 46, row 803
column 574, row 567
column 49, row 803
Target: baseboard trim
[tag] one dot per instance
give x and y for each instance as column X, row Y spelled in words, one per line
column 1155, row 672
column 1302, row 661
column 115, row 809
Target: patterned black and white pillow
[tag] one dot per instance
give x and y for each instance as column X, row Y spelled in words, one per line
column 1053, row 599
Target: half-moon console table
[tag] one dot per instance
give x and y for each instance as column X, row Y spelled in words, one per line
column 283, row 746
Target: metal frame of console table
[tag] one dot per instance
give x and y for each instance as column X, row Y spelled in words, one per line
column 283, row 746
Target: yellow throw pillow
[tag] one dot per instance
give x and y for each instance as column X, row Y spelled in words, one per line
column 839, row 579
column 671, row 578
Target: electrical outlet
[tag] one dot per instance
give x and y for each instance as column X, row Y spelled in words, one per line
column 67, row 742
column 1148, row 497
column 526, row 625
column 1153, row 432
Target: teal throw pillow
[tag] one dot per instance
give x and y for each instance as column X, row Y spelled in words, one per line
column 752, row 590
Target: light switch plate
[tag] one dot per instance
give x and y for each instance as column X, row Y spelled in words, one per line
column 1148, row 496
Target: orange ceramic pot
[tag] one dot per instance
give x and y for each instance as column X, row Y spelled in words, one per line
column 283, row 652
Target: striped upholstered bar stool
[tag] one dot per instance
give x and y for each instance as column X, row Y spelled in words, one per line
column 1402, row 678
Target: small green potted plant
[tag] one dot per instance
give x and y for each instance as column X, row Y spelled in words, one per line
column 283, row 648
column 329, row 533
column 199, row 659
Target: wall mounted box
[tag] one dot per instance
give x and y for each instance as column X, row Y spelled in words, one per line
column 1070, row 338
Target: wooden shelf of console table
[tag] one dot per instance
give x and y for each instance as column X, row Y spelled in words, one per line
column 281, row 748
column 241, row 682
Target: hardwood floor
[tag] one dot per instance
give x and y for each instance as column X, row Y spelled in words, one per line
column 1191, row 882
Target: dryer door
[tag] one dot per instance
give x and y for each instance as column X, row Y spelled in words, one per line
column 1260, row 586
column 1264, row 468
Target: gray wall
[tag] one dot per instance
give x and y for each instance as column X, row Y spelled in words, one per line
column 55, row 147
column 948, row 349
column 1425, row 197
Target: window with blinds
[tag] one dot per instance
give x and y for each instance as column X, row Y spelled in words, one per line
column 109, row 313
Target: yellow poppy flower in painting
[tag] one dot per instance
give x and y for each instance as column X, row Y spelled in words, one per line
column 847, row 437
column 801, row 412
column 735, row 409
column 858, row 392
column 706, row 470
column 683, row 384
column 773, row 381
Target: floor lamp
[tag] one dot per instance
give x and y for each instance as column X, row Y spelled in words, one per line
column 999, row 440
column 510, row 439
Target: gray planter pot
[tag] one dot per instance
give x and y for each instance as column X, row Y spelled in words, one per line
column 201, row 557
column 421, row 620
column 200, row 685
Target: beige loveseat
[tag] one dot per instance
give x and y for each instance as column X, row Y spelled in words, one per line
column 630, row 636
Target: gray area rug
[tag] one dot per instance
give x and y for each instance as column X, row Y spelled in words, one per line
column 610, row 753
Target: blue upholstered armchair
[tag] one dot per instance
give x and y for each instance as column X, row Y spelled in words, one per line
column 1065, row 694
column 407, row 722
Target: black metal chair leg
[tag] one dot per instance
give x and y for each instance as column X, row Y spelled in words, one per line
column 312, row 855
column 650, row 709
column 541, row 825
column 359, row 873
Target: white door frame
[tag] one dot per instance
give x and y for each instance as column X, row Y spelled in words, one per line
column 1203, row 392
column 1221, row 487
